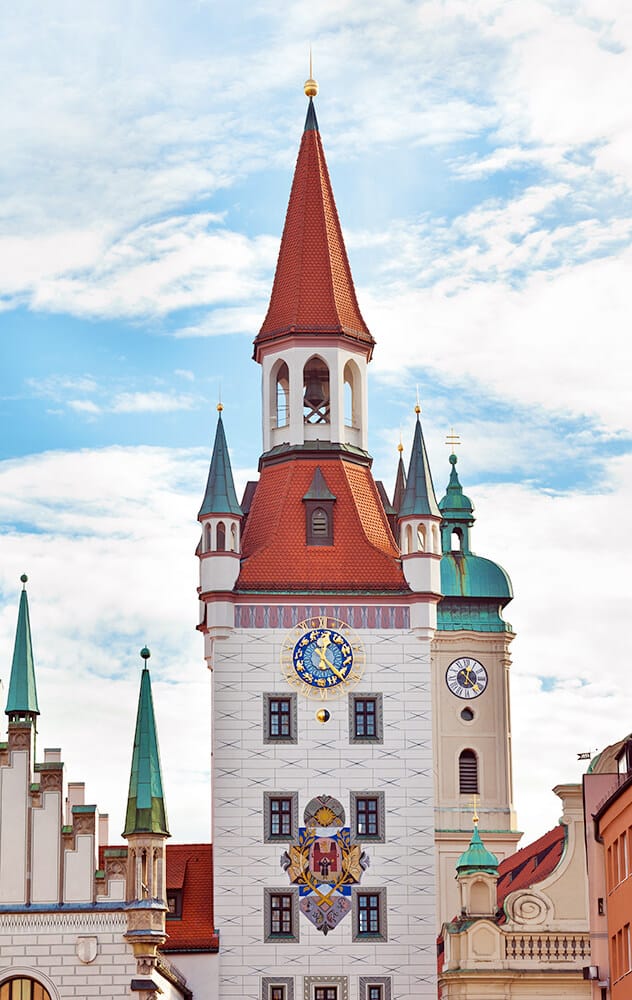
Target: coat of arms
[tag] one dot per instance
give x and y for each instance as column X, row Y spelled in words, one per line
column 324, row 863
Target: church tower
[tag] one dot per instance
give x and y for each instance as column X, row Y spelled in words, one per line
column 318, row 638
column 472, row 725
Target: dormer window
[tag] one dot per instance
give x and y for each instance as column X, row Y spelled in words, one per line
column 319, row 512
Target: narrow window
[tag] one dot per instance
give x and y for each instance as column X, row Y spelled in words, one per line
column 280, row 718
column 368, row 913
column 221, row 536
column 280, row 817
column 365, row 718
column 326, row 993
column 375, row 992
column 455, row 541
column 174, row 904
column 277, row 993
column 421, row 538
column 468, row 773
column 280, row 914
column 207, row 538
column 233, row 538
column 367, row 817
column 282, row 396
column 320, row 524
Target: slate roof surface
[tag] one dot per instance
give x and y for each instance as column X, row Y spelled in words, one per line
column 363, row 556
column 313, row 289
column 532, row 864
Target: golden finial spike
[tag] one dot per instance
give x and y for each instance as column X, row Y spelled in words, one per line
column 452, row 440
column 220, row 407
column 417, row 404
column 475, row 810
column 311, row 87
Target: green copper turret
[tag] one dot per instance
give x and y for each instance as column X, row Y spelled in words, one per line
column 146, row 810
column 22, row 699
column 220, row 496
column 477, row 858
column 419, row 496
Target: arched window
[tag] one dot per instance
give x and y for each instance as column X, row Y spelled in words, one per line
column 480, row 898
column 468, row 773
column 408, row 539
column 221, row 536
column 207, row 538
column 455, row 540
column 233, row 537
column 282, row 396
column 436, row 543
column 316, row 398
column 421, row 538
column 23, row 989
column 351, row 377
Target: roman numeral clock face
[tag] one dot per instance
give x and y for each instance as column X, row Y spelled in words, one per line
column 322, row 658
column 466, row 678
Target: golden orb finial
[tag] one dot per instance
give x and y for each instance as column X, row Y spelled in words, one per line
column 417, row 409
column 400, row 447
column 310, row 87
column 220, row 407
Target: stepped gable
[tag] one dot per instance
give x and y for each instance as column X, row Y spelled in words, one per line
column 313, row 289
column 364, row 556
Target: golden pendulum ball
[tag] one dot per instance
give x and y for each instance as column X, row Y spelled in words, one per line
column 322, row 715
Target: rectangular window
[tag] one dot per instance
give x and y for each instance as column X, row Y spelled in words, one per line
column 280, row 817
column 365, row 718
column 277, row 993
column 368, row 913
column 279, row 718
column 326, row 993
column 280, row 915
column 174, row 904
column 375, row 992
column 367, row 817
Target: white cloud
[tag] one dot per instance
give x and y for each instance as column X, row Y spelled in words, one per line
column 150, row 402
column 84, row 406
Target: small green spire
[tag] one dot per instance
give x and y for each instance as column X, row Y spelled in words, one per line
column 477, row 858
column 400, row 481
column 419, row 495
column 22, row 698
column 146, row 811
column 457, row 511
column 220, row 496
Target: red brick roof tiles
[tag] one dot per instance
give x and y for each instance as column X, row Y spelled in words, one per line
column 313, row 289
column 275, row 554
column 532, row 864
column 190, row 868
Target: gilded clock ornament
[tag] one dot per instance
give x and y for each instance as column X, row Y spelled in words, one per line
column 466, row 677
column 322, row 658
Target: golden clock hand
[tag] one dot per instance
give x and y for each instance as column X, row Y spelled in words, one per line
column 321, row 646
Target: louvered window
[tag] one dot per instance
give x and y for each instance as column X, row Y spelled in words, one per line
column 319, row 522
column 468, row 773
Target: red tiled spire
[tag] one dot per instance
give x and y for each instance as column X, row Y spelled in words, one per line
column 313, row 289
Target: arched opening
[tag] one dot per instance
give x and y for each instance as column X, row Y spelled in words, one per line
column 282, row 396
column 233, row 538
column 479, row 898
column 455, row 540
column 207, row 538
column 352, row 403
column 23, row 988
column 436, row 541
column 468, row 773
column 320, row 523
column 408, row 539
column 221, row 537
column 421, row 538
column 316, row 393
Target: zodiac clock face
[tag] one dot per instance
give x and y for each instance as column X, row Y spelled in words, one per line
column 466, row 678
column 322, row 658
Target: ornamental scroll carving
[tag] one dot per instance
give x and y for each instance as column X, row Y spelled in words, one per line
column 528, row 908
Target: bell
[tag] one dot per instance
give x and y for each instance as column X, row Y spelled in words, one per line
column 315, row 396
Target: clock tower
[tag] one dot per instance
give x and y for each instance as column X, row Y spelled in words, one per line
column 318, row 632
column 472, row 724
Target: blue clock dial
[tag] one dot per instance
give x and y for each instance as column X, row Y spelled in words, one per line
column 322, row 658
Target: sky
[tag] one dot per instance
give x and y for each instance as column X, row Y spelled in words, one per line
column 481, row 157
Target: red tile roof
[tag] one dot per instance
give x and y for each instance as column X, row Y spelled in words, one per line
column 532, row 864
column 364, row 556
column 190, row 868
column 313, row 289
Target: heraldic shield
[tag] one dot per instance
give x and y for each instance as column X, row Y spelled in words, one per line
column 324, row 863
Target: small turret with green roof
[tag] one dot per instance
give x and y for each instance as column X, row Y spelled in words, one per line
column 220, row 496
column 477, row 858
column 474, row 589
column 146, row 810
column 22, row 698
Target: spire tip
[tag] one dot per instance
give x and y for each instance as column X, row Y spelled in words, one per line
column 145, row 654
column 24, row 579
column 310, row 87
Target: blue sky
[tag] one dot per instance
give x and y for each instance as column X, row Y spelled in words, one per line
column 480, row 154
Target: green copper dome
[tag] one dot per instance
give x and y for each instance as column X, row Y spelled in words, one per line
column 477, row 858
column 472, row 576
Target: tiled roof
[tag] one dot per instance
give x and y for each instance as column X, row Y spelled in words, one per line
column 532, row 864
column 364, row 556
column 313, row 289
column 190, row 868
